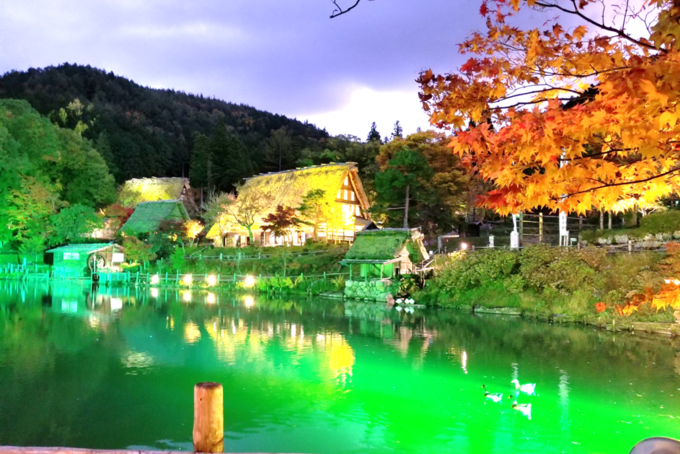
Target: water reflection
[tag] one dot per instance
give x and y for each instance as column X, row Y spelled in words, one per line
column 92, row 369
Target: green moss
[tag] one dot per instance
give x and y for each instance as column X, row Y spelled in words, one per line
column 379, row 245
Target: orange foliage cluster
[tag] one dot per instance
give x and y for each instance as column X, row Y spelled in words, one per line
column 571, row 119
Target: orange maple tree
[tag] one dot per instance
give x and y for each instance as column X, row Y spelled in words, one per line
column 571, row 118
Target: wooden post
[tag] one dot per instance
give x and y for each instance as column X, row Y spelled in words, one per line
column 540, row 227
column 521, row 225
column 610, row 221
column 601, row 220
column 208, row 417
column 580, row 223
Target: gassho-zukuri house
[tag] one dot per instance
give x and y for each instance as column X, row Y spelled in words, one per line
column 342, row 186
column 386, row 253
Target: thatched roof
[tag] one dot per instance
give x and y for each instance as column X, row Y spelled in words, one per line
column 386, row 245
column 140, row 190
column 288, row 187
column 85, row 248
column 148, row 216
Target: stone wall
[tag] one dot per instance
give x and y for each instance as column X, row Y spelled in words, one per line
column 377, row 290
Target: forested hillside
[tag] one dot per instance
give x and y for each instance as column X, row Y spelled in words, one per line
column 143, row 132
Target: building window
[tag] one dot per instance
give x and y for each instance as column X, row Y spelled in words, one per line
column 346, row 197
column 351, row 196
column 71, row 256
column 339, row 193
column 346, row 181
column 357, row 210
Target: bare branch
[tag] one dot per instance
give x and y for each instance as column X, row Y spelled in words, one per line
column 617, row 32
column 339, row 11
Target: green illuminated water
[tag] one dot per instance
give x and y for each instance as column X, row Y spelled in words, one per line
column 117, row 369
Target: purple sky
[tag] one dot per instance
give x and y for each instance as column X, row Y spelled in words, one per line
column 284, row 56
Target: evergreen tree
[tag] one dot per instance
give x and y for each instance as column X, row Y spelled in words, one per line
column 397, row 133
column 373, row 135
column 404, row 179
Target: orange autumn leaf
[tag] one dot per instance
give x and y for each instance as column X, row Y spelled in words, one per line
column 573, row 118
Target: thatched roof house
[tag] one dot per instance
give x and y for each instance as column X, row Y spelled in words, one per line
column 387, row 252
column 343, row 189
column 140, row 190
column 148, row 216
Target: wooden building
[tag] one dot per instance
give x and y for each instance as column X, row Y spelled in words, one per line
column 386, row 253
column 148, row 216
column 81, row 256
column 343, row 189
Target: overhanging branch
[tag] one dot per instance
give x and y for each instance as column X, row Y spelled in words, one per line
column 339, row 11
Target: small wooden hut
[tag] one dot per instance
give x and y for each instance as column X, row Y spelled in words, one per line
column 148, row 216
column 80, row 256
column 386, row 253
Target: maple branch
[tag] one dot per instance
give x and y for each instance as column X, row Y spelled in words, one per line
column 580, row 76
column 618, row 32
column 339, row 11
column 527, row 103
column 623, row 183
column 545, row 90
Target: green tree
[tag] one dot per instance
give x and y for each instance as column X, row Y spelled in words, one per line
column 73, row 223
column 315, row 209
column 201, row 171
column 450, row 182
column 83, row 172
column 138, row 251
column 216, row 214
column 403, row 179
column 279, row 150
column 247, row 208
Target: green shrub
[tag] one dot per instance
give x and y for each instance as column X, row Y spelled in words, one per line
column 468, row 271
column 662, row 222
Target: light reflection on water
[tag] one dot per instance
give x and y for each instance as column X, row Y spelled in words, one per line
column 115, row 369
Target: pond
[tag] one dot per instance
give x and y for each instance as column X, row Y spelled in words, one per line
column 116, row 369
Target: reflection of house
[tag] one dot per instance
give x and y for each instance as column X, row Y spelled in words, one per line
column 387, row 252
column 140, row 190
column 148, row 216
column 344, row 193
column 81, row 256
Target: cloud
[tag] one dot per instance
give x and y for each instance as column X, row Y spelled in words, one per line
column 286, row 57
column 365, row 106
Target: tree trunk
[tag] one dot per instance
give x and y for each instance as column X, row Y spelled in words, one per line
column 609, row 226
column 406, row 207
column 635, row 216
column 250, row 234
column 601, row 220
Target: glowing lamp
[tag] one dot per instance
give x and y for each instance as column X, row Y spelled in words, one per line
column 249, row 301
column 667, row 281
column 463, row 246
column 187, row 297
column 154, row 293
column 211, row 280
column 116, row 304
column 187, row 279
column 155, row 279
column 210, row 298
column 249, row 282
column 676, row 282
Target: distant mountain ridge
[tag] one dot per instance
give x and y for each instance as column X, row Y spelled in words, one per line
column 144, row 132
